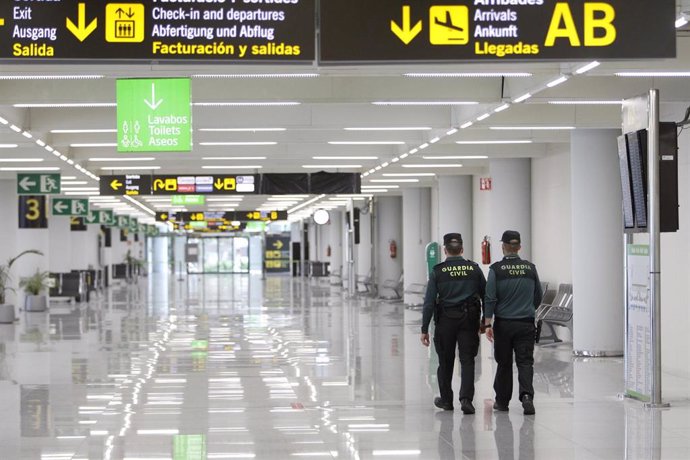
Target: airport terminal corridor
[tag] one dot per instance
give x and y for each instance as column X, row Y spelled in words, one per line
column 233, row 366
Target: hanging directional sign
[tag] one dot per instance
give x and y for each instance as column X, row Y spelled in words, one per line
column 70, row 207
column 163, row 217
column 496, row 30
column 152, row 230
column 133, row 225
column 277, row 253
column 155, row 30
column 214, row 185
column 130, row 184
column 93, row 218
column 188, row 200
column 123, row 222
column 32, row 211
column 38, row 184
column 223, row 216
column 77, row 224
column 107, row 217
column 154, row 115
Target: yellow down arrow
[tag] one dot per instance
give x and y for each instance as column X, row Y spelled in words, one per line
column 406, row 34
column 81, row 31
column 116, row 184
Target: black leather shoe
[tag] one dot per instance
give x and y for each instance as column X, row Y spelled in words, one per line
column 528, row 405
column 438, row 402
column 466, row 406
column 500, row 407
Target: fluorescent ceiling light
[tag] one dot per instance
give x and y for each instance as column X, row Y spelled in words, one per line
column 66, row 105
column 229, row 198
column 501, row 108
column 246, row 104
column 330, row 166
column 16, row 128
column 483, row 117
column 422, row 147
column 466, row 74
column 258, row 75
column 535, row 128
column 95, row 144
column 399, row 128
column 522, row 141
column 51, row 77
column 377, row 190
column 123, row 158
column 434, row 140
column 395, row 453
column 237, row 143
column 425, row 103
column 379, row 186
column 456, row 157
column 122, row 168
column 574, row 102
column 451, row 132
column 346, row 158
column 68, row 177
column 232, row 158
column 557, row 81
column 232, row 167
column 27, row 134
column 30, row 168
column 83, row 193
column 444, row 165
column 653, row 74
column 21, row 160
column 466, row 125
column 240, row 130
column 408, row 174
column 680, row 22
column 74, row 182
column 82, row 131
column 523, row 98
column 392, row 181
column 365, row 142
column 78, row 189
column 587, row 67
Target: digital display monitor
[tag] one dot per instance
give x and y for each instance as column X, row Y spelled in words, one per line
column 637, row 159
column 628, row 213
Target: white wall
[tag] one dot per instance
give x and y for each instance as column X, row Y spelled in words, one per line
column 388, row 227
column 551, row 216
column 481, row 223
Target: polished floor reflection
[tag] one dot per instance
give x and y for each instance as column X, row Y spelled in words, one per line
column 232, row 366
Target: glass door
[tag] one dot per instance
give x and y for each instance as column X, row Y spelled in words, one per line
column 219, row 254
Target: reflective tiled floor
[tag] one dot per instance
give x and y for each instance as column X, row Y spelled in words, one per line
column 236, row 367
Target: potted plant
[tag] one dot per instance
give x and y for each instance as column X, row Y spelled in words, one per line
column 34, row 285
column 7, row 310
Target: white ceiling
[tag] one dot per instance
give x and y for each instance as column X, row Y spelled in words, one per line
column 335, row 99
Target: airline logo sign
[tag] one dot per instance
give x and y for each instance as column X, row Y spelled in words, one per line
column 480, row 30
column 130, row 184
column 218, row 30
column 214, row 185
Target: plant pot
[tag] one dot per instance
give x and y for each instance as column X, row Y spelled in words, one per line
column 35, row 303
column 7, row 313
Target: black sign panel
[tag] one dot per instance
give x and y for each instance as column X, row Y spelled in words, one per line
column 223, row 216
column 226, row 184
column 277, row 254
column 130, row 184
column 33, row 211
column 209, row 30
column 77, row 224
column 496, row 30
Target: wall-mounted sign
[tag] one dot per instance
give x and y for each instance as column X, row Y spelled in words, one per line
column 277, row 254
column 215, row 184
column 38, row 184
column 32, row 211
column 130, row 184
column 154, row 115
column 70, row 207
column 488, row 30
column 484, row 184
column 208, row 30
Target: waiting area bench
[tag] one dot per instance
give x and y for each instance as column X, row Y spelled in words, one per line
column 557, row 313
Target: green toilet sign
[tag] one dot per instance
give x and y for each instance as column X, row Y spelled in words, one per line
column 433, row 256
column 154, row 115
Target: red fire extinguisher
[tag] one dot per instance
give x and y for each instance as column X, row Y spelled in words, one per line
column 486, row 251
column 393, row 249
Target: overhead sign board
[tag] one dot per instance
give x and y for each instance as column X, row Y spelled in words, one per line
column 151, row 30
column 188, row 200
column 32, row 211
column 78, row 207
column 129, row 184
column 38, row 184
column 277, row 253
column 492, row 30
column 215, row 184
column 222, row 216
column 100, row 216
column 154, row 115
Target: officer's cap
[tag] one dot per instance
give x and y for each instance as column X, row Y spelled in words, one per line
column 452, row 238
column 511, row 237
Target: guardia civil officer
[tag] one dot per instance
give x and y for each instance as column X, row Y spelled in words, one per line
column 513, row 293
column 453, row 297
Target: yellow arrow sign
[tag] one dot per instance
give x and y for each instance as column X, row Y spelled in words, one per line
column 116, row 184
column 81, row 31
column 218, row 184
column 405, row 33
column 164, row 216
column 278, row 244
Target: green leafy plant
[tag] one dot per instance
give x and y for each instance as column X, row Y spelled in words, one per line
column 131, row 260
column 5, row 278
column 36, row 283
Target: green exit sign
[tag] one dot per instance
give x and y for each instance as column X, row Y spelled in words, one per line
column 185, row 200
column 154, row 115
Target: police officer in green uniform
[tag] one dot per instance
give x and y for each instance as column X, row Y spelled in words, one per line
column 453, row 297
column 513, row 293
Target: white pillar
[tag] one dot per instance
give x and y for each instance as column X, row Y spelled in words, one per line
column 60, row 238
column 364, row 247
column 455, row 210
column 333, row 233
column 597, row 249
column 389, row 228
column 160, row 254
column 416, row 235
